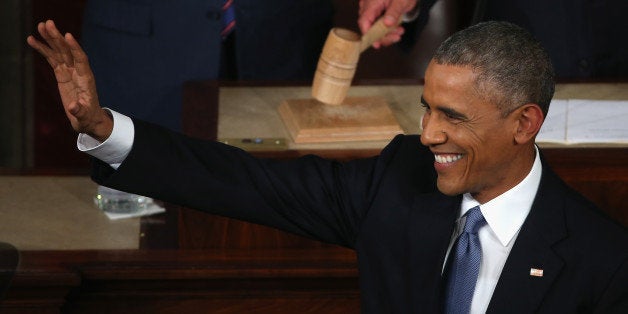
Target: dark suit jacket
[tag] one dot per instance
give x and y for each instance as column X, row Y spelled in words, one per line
column 388, row 209
column 142, row 51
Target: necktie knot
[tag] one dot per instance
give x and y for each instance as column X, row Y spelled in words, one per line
column 474, row 221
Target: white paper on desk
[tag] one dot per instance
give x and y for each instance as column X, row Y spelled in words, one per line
column 597, row 121
column 554, row 128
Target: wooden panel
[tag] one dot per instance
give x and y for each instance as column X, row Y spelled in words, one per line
column 184, row 281
column 201, row 119
column 9, row 259
column 600, row 174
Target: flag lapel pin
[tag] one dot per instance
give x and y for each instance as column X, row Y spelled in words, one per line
column 535, row 272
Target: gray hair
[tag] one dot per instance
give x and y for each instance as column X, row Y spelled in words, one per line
column 512, row 67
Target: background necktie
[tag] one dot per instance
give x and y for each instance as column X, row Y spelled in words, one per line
column 465, row 265
column 228, row 18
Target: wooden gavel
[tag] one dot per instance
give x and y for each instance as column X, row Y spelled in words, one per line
column 339, row 60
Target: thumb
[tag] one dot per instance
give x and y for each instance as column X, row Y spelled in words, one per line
column 394, row 12
column 369, row 12
column 73, row 108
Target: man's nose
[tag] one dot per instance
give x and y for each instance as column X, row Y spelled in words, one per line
column 433, row 133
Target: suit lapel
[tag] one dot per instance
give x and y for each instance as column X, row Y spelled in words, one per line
column 431, row 227
column 521, row 286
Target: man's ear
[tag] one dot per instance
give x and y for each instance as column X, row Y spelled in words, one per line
column 529, row 119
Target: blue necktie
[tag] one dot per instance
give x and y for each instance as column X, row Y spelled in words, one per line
column 228, row 18
column 465, row 265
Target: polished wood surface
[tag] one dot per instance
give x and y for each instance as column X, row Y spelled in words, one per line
column 184, row 281
column 356, row 119
column 600, row 174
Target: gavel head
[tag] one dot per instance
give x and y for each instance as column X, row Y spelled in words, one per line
column 336, row 66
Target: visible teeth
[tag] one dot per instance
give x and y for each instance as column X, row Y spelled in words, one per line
column 446, row 159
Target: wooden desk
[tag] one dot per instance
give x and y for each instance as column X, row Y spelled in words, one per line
column 72, row 259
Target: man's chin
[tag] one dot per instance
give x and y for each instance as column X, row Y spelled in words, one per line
column 447, row 188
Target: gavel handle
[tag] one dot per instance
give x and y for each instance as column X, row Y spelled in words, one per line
column 375, row 33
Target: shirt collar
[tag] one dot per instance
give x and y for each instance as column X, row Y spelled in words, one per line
column 505, row 214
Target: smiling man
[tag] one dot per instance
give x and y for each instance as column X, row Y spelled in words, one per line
column 465, row 218
column 485, row 99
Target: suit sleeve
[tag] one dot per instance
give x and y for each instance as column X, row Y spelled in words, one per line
column 310, row 196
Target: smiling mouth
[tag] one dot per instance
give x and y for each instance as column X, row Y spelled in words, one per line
column 445, row 159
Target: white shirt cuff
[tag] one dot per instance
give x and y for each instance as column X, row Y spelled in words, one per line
column 116, row 147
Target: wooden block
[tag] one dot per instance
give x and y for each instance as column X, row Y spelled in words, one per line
column 356, row 119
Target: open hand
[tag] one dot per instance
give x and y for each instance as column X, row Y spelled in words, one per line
column 75, row 80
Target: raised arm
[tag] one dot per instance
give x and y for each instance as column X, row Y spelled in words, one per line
column 392, row 10
column 75, row 80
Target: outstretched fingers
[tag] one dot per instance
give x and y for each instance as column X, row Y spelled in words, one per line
column 41, row 47
column 81, row 63
column 54, row 48
column 75, row 80
column 55, row 40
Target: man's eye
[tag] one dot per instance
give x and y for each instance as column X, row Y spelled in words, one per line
column 453, row 118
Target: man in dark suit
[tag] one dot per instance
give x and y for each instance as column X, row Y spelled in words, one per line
column 465, row 218
column 143, row 51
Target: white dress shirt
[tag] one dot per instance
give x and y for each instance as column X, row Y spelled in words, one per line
column 504, row 214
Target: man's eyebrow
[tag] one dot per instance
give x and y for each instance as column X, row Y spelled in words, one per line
column 448, row 111
column 452, row 113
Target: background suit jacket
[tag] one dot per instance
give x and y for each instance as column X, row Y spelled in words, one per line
column 388, row 209
column 583, row 38
column 142, row 51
